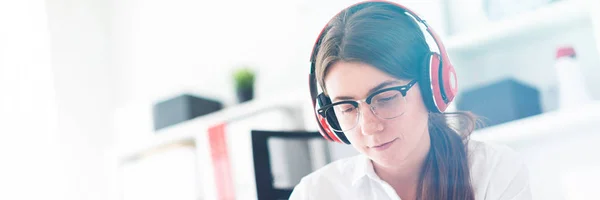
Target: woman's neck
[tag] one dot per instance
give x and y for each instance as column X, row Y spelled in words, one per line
column 404, row 176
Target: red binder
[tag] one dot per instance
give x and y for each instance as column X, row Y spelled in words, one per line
column 221, row 163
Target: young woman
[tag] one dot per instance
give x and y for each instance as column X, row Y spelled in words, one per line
column 385, row 81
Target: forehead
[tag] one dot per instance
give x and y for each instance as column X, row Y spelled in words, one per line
column 354, row 79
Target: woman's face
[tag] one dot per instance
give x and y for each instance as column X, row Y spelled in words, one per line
column 387, row 142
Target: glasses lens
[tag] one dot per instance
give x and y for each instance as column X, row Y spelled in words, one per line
column 346, row 114
column 389, row 104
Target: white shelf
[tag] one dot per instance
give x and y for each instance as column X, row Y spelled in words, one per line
column 557, row 15
column 571, row 121
column 186, row 132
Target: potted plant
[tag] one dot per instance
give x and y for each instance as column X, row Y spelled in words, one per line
column 244, row 83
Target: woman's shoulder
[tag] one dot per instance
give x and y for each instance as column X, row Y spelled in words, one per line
column 497, row 171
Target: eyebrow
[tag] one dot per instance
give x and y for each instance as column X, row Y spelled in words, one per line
column 372, row 90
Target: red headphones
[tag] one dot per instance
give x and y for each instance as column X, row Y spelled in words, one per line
column 438, row 81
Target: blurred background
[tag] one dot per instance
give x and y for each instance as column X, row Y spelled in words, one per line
column 190, row 99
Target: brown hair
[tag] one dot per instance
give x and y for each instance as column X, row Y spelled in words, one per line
column 383, row 36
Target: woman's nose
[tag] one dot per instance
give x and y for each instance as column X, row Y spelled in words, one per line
column 369, row 123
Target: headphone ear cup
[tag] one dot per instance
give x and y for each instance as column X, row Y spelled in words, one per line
column 324, row 128
column 332, row 120
column 333, row 123
column 330, row 117
column 450, row 83
column 425, row 83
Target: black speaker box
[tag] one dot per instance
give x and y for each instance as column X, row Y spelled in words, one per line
column 501, row 102
column 182, row 108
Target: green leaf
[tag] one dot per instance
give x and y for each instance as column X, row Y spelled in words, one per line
column 244, row 78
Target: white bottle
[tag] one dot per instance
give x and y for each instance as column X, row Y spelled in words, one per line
column 571, row 82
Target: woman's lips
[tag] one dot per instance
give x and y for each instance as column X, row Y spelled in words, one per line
column 384, row 146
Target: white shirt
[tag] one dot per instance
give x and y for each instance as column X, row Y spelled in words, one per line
column 497, row 173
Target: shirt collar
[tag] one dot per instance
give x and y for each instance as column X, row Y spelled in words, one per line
column 363, row 171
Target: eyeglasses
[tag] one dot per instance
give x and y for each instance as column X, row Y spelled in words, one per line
column 387, row 103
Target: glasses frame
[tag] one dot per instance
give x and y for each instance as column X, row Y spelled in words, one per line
column 403, row 89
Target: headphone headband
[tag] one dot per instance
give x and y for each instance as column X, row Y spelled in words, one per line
column 420, row 21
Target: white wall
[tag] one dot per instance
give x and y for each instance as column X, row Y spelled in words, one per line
column 33, row 166
column 85, row 90
column 169, row 47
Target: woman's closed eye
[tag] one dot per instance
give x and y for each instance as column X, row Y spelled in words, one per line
column 387, row 99
column 348, row 110
column 345, row 109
